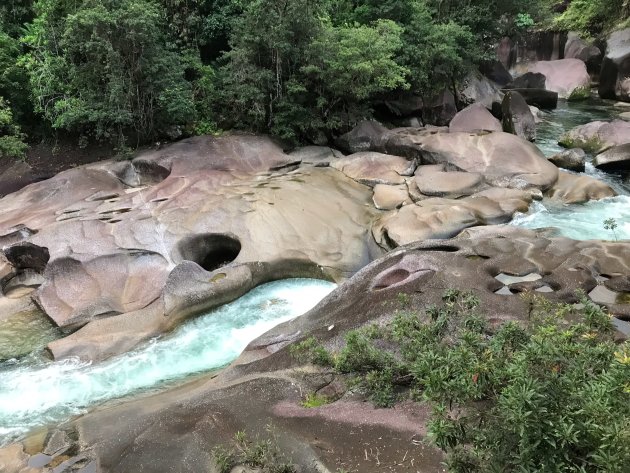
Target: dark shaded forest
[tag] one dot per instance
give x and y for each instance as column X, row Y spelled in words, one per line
column 131, row 72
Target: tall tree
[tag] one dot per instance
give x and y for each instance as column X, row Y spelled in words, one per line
column 104, row 69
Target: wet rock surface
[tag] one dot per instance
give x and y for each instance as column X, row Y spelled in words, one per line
column 597, row 136
column 518, row 118
column 261, row 393
column 571, row 159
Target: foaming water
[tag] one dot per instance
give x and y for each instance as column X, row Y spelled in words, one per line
column 581, row 222
column 34, row 392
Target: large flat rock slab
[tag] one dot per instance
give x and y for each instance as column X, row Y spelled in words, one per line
column 503, row 159
column 371, row 168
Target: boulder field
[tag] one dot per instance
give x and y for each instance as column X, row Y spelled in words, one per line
column 262, row 392
column 115, row 253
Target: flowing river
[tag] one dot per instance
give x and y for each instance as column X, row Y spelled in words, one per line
column 581, row 221
column 36, row 392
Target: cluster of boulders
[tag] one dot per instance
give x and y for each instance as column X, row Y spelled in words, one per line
column 263, row 392
column 609, row 142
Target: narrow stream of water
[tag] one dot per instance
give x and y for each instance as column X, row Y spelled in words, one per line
column 580, row 221
column 36, row 392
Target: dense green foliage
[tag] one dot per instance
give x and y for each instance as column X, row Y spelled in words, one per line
column 591, row 17
column 11, row 139
column 134, row 71
column 551, row 395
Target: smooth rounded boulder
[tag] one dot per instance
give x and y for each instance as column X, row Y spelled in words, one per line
column 476, row 88
column 616, row 158
column 518, row 118
column 475, row 117
column 597, row 136
column 448, row 184
column 577, row 48
column 371, row 168
column 503, row 159
column 363, row 137
column 567, row 77
column 438, row 218
column 576, row 189
column 541, row 98
column 572, row 159
column 529, row 80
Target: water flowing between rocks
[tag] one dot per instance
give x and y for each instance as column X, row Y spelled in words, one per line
column 36, row 392
column 580, row 221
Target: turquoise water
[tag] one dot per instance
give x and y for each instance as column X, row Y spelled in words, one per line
column 35, row 392
column 580, row 221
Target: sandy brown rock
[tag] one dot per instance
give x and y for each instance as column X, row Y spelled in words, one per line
column 264, row 388
column 577, row 189
column 316, row 155
column 113, row 231
column 448, row 184
column 503, row 159
column 74, row 292
column 371, row 168
column 390, row 197
column 475, row 117
column 437, row 218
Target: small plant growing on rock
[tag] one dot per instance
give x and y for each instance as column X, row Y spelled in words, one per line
column 579, row 93
column 591, row 145
column 611, row 224
column 311, row 351
column 315, row 400
column 263, row 455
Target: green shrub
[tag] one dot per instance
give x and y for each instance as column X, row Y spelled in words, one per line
column 580, row 93
column 551, row 394
column 311, row 351
column 315, row 400
column 11, row 139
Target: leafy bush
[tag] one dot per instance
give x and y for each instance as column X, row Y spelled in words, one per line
column 310, row 350
column 591, row 17
column 105, row 69
column 548, row 395
column 11, row 139
column 580, row 93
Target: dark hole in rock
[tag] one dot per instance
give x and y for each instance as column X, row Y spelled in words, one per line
column 445, row 248
column 141, row 173
column 210, row 250
column 27, row 255
column 23, row 282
